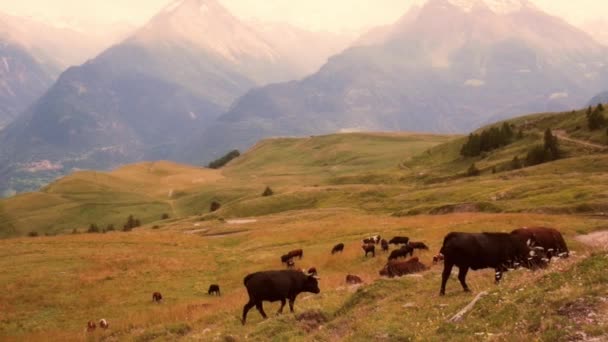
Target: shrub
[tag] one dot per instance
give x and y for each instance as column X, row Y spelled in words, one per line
column 32, row 234
column 93, row 228
column 215, row 206
column 268, row 192
column 74, row 231
column 473, row 171
column 110, row 228
column 131, row 223
column 164, row 216
column 218, row 163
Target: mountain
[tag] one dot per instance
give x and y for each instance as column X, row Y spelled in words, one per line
column 598, row 29
column 23, row 78
column 141, row 99
column 295, row 43
column 445, row 67
column 59, row 46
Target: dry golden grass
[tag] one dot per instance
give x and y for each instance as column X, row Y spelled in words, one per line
column 52, row 286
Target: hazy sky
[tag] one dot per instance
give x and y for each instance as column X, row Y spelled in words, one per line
column 334, row 15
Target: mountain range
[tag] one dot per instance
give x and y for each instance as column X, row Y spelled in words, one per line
column 447, row 66
column 196, row 82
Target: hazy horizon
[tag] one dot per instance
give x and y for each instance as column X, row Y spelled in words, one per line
column 315, row 15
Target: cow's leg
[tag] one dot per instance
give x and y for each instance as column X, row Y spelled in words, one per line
column 498, row 274
column 447, row 270
column 258, row 305
column 246, row 309
column 292, row 300
column 282, row 306
column 462, row 275
column 373, row 254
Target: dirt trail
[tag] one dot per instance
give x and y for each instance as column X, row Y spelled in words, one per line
column 597, row 239
column 561, row 134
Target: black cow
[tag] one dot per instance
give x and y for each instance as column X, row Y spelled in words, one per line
column 483, row 250
column 418, row 245
column 214, row 289
column 275, row 286
column 384, row 245
column 399, row 240
column 337, row 248
column 401, row 252
column 369, row 248
column 312, row 271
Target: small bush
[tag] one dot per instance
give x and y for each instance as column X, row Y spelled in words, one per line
column 131, row 223
column 155, row 227
column 215, row 206
column 74, row 231
column 164, row 216
column 32, row 234
column 93, row 228
column 110, row 228
column 268, row 192
column 218, row 163
column 473, row 171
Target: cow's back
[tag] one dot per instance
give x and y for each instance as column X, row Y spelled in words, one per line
column 481, row 250
column 271, row 285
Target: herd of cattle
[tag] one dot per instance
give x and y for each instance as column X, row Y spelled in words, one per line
column 531, row 248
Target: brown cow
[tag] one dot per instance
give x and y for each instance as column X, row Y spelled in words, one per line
column 384, row 245
column 399, row 268
column 296, row 253
column 437, row 258
column 548, row 239
column 369, row 248
column 91, row 326
column 353, row 279
column 103, row 323
column 157, row 297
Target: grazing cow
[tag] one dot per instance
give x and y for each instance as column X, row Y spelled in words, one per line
column 275, row 286
column 437, row 258
column 369, row 248
column 353, row 279
column 483, row 250
column 291, row 263
column 91, row 326
column 337, row 248
column 312, row 271
column 375, row 239
column 384, row 245
column 214, row 289
column 399, row 240
column 103, row 323
column 296, row 253
column 549, row 239
column 399, row 268
column 157, row 297
column 285, row 258
column 418, row 245
column 401, row 252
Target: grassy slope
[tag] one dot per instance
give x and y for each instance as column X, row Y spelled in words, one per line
column 340, row 195
column 59, row 283
column 148, row 190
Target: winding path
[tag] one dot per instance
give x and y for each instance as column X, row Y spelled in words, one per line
column 561, row 134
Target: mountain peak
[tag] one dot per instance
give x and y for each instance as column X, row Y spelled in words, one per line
column 496, row 6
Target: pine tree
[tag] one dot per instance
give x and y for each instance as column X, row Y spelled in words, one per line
column 551, row 145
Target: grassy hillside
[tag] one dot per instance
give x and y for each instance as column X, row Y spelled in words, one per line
column 148, row 190
column 327, row 189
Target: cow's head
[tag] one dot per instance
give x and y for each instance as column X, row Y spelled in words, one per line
column 312, row 284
